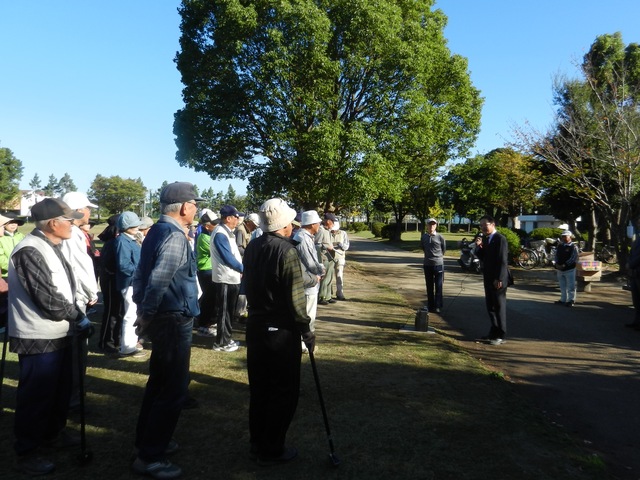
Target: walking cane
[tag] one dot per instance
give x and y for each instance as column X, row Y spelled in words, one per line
column 334, row 459
column 85, row 455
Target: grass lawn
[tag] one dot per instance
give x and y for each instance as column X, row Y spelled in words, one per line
column 401, row 405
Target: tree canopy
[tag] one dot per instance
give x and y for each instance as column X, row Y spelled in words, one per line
column 321, row 101
column 116, row 194
column 595, row 142
column 10, row 175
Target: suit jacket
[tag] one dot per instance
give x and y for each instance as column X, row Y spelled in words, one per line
column 495, row 257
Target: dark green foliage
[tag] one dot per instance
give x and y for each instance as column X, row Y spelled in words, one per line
column 358, row 227
column 376, row 229
column 389, row 230
column 512, row 239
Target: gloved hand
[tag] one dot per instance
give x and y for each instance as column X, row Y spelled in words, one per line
column 84, row 328
column 309, row 339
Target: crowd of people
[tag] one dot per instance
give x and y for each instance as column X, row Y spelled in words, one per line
column 159, row 283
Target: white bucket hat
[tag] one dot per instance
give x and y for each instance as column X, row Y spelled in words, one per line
column 309, row 218
column 276, row 214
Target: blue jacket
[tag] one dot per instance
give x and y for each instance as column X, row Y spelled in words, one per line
column 165, row 280
column 127, row 259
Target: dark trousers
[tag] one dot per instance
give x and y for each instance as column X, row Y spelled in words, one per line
column 273, row 363
column 634, row 283
column 112, row 301
column 207, row 300
column 166, row 389
column 434, row 278
column 42, row 399
column 496, row 300
column 225, row 298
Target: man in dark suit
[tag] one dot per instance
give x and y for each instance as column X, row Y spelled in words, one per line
column 493, row 250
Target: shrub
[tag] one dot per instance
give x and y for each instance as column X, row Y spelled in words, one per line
column 376, row 229
column 359, row 226
column 512, row 239
column 442, row 229
column 388, row 230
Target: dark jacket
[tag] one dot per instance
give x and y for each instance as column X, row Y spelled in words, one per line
column 273, row 284
column 495, row 258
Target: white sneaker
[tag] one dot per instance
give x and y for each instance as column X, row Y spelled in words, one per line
column 231, row 347
column 207, row 331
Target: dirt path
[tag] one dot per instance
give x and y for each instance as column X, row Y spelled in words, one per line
column 579, row 365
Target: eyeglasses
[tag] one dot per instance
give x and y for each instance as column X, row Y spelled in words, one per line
column 192, row 202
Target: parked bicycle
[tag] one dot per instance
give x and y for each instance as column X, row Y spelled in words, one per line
column 537, row 255
column 606, row 254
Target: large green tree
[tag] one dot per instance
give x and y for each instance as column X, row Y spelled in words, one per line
column 326, row 102
column 116, row 194
column 66, row 184
column 10, row 175
column 595, row 142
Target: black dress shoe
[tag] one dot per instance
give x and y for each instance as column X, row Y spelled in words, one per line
column 288, row 454
column 323, row 302
column 332, row 301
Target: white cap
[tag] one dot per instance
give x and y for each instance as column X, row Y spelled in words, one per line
column 309, row 218
column 253, row 217
column 567, row 233
column 77, row 200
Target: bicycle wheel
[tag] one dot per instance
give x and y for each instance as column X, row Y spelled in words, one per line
column 527, row 259
column 608, row 256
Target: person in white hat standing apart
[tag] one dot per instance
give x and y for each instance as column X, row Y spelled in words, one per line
column 566, row 260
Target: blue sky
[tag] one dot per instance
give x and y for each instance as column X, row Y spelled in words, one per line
column 91, row 87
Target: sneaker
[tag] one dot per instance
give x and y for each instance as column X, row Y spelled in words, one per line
column 332, row 300
column 323, row 302
column 288, row 454
column 560, row 302
column 207, row 331
column 497, row 341
column 570, row 303
column 135, row 353
column 34, row 466
column 341, row 297
column 230, row 347
column 162, row 469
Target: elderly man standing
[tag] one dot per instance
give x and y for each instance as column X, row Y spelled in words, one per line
column 324, row 244
column 274, row 287
column 166, row 291
column 226, row 272
column 310, row 224
column 75, row 249
column 434, row 247
column 42, row 318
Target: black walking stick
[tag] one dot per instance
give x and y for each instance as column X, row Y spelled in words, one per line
column 334, row 459
column 86, row 455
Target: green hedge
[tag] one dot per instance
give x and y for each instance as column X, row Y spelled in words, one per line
column 545, row 232
column 376, row 229
column 358, row 226
column 512, row 239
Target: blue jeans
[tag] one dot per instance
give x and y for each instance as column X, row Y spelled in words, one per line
column 434, row 278
column 42, row 399
column 167, row 387
column 567, row 281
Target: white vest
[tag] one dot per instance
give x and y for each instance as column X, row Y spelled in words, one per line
column 25, row 318
column 220, row 272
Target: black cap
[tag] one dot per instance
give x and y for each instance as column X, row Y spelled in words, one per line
column 179, row 192
column 230, row 211
column 52, row 208
column 330, row 216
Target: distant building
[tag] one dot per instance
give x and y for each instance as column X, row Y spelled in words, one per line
column 529, row 223
column 22, row 203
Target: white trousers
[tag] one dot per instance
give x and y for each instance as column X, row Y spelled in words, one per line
column 128, row 339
